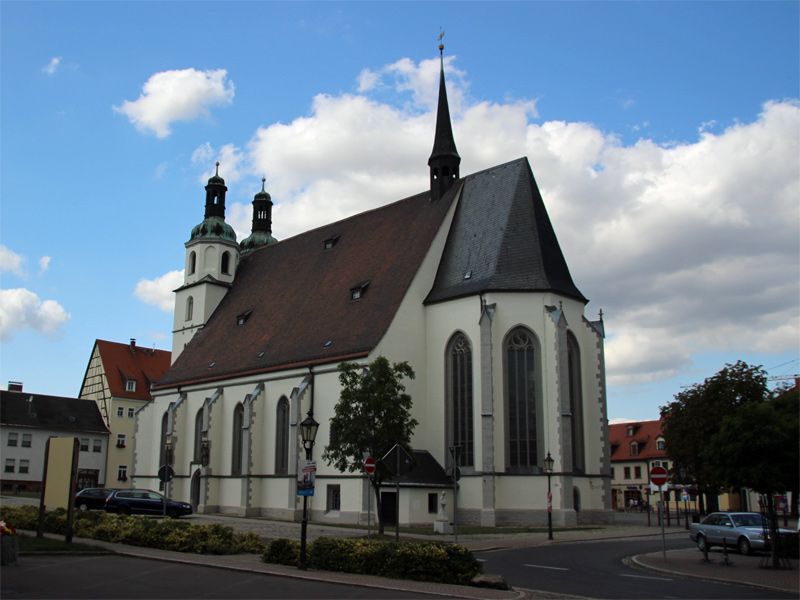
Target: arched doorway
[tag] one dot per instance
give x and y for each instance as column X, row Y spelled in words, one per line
column 195, row 490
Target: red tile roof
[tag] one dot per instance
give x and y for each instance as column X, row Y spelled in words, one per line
column 645, row 433
column 122, row 362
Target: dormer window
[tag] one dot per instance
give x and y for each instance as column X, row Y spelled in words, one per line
column 330, row 242
column 130, row 385
column 661, row 444
column 358, row 291
column 631, row 430
column 634, row 448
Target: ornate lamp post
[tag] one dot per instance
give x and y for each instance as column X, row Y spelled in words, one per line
column 308, row 433
column 548, row 468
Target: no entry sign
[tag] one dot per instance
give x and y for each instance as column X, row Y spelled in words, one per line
column 658, row 476
column 369, row 465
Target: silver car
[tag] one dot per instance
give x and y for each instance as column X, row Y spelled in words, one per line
column 746, row 531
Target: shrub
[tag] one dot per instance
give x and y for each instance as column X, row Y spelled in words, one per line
column 283, row 551
column 422, row 561
column 166, row 534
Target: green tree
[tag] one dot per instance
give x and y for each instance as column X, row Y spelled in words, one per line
column 753, row 449
column 787, row 403
column 372, row 415
column 690, row 422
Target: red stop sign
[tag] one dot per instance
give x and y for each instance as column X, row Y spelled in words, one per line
column 369, row 465
column 658, row 476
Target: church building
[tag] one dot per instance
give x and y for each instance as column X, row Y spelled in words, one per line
column 465, row 280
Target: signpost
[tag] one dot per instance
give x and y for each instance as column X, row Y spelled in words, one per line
column 369, row 469
column 658, row 477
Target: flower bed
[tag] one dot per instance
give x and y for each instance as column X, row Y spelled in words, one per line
column 165, row 534
column 421, row 561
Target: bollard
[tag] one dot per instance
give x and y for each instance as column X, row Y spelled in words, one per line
column 725, row 560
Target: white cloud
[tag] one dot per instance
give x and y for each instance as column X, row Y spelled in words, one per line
column 10, row 261
column 158, row 291
column 182, row 95
column 22, row 309
column 52, row 66
column 688, row 247
column 44, row 264
column 229, row 156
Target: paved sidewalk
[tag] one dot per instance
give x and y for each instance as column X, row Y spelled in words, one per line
column 749, row 570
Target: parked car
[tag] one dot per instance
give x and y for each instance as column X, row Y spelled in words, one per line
column 746, row 531
column 145, row 502
column 92, row 498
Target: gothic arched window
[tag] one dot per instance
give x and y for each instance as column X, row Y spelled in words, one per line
column 237, row 440
column 282, row 437
column 522, row 400
column 198, row 434
column 189, row 308
column 576, row 403
column 226, row 263
column 162, row 456
column 459, row 428
column 192, row 262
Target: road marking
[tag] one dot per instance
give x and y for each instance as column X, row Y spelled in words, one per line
column 645, row 577
column 481, row 559
column 546, row 567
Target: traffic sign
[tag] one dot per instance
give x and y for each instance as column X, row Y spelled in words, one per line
column 369, row 465
column 165, row 473
column 658, row 476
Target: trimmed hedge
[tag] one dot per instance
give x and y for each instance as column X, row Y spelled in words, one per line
column 165, row 534
column 421, row 561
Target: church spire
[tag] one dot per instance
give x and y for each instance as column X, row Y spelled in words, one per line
column 444, row 160
column 261, row 233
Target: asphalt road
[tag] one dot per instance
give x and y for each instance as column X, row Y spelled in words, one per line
column 110, row 577
column 597, row 570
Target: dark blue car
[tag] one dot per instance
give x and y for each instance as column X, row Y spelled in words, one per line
column 145, row 502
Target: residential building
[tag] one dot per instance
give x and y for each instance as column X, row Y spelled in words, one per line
column 636, row 448
column 28, row 420
column 465, row 280
column 118, row 379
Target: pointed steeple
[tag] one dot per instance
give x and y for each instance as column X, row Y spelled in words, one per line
column 444, row 160
column 261, row 233
column 214, row 225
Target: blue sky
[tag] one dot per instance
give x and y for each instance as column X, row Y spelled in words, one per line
column 664, row 137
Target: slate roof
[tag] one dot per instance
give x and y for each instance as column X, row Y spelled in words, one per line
column 502, row 239
column 645, row 434
column 294, row 296
column 121, row 362
column 50, row 412
column 425, row 472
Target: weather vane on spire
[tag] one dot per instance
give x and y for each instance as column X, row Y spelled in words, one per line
column 440, row 38
column 217, row 173
column 263, row 183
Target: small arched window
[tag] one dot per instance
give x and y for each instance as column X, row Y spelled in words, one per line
column 226, row 263
column 238, row 440
column 661, row 445
column 189, row 308
column 634, row 449
column 282, row 437
column 192, row 262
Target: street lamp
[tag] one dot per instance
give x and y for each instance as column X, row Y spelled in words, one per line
column 308, row 433
column 548, row 468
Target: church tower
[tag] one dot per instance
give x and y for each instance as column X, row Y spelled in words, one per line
column 444, row 160
column 212, row 256
column 261, row 232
